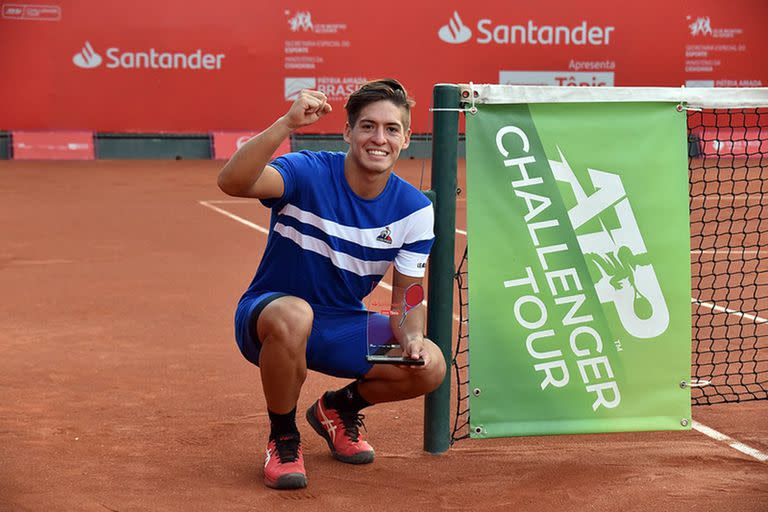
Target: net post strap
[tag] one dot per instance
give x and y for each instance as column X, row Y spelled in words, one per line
column 466, row 97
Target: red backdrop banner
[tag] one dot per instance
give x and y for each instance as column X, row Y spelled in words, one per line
column 179, row 66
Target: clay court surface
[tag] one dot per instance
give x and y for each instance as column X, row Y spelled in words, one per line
column 122, row 389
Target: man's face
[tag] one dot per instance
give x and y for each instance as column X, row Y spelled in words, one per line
column 378, row 136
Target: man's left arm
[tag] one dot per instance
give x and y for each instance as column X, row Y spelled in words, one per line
column 409, row 269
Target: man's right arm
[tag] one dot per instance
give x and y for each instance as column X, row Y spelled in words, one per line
column 247, row 174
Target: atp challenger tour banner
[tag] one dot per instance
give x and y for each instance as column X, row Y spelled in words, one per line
column 579, row 268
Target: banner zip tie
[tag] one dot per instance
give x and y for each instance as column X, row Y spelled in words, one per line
column 683, row 106
column 694, row 383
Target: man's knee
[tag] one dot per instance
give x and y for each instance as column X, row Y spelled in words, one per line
column 435, row 372
column 287, row 320
column 427, row 379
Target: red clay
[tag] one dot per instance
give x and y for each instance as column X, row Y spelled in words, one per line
column 121, row 387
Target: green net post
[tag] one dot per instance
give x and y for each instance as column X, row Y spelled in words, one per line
column 437, row 406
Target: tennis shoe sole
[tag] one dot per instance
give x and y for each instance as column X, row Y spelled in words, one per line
column 287, row 481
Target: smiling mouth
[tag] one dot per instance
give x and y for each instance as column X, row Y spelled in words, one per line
column 376, row 152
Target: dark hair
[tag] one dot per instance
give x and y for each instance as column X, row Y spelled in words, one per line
column 376, row 90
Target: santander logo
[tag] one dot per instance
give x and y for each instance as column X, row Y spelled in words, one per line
column 455, row 32
column 87, row 57
column 528, row 32
column 115, row 58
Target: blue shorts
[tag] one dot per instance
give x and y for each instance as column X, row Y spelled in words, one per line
column 337, row 345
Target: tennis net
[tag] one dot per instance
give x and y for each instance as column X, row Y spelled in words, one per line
column 728, row 173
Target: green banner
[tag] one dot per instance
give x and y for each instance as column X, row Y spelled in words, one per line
column 579, row 268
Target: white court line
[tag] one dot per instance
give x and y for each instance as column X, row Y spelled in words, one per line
column 736, row 445
column 232, row 216
column 714, row 434
column 231, row 201
column 715, row 307
column 261, row 229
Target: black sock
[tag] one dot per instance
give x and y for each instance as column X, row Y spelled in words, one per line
column 283, row 424
column 346, row 399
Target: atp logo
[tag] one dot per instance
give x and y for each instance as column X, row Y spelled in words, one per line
column 455, row 32
column 702, row 26
column 87, row 58
column 617, row 258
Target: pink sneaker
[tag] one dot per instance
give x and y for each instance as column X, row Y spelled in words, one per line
column 284, row 464
column 341, row 430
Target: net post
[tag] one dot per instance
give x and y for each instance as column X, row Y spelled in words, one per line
column 437, row 404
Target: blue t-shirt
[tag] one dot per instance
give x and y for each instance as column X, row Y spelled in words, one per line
column 329, row 246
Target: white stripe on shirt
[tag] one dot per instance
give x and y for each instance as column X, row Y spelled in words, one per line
column 339, row 259
column 367, row 236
